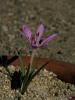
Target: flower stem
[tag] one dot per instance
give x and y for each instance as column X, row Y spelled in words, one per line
column 32, row 58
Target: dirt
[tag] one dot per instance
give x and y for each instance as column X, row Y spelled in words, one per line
column 58, row 16
column 45, row 86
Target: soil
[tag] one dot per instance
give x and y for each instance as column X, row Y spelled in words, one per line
column 45, row 86
column 58, row 16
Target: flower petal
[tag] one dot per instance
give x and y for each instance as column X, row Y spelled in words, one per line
column 26, row 32
column 39, row 33
column 49, row 38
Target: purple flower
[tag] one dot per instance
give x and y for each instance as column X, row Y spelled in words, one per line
column 37, row 41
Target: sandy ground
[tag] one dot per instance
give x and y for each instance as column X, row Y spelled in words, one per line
column 58, row 16
column 45, row 86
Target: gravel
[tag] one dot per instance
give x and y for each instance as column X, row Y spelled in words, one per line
column 58, row 16
column 45, row 86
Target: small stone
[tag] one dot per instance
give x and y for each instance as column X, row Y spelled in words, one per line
column 41, row 88
column 32, row 17
column 11, row 68
column 5, row 28
column 10, row 14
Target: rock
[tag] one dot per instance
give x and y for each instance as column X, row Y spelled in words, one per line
column 5, row 28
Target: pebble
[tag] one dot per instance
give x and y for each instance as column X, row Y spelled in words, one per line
column 41, row 88
column 5, row 28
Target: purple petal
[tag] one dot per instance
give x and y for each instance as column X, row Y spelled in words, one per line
column 39, row 33
column 49, row 38
column 26, row 32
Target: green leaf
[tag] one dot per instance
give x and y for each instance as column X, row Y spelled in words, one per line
column 32, row 74
column 39, row 69
column 21, row 63
column 22, row 66
column 25, row 78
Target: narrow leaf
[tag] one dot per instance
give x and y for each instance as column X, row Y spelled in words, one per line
column 31, row 76
column 22, row 66
column 39, row 69
column 25, row 78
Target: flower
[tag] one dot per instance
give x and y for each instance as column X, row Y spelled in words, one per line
column 37, row 41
